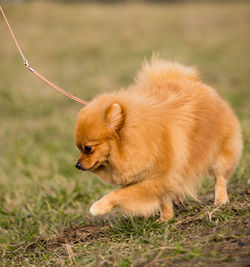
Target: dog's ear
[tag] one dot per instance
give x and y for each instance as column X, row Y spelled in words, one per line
column 114, row 117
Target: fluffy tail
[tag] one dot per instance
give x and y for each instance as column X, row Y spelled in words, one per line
column 157, row 71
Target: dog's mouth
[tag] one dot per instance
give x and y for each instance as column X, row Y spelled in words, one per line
column 96, row 166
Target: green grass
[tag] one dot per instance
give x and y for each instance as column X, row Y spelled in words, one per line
column 90, row 49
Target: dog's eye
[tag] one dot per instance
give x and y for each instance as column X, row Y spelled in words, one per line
column 88, row 149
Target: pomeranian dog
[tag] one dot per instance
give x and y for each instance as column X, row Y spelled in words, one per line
column 157, row 139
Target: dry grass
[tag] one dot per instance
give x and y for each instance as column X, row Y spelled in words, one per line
column 88, row 49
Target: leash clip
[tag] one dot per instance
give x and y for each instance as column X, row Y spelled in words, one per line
column 26, row 63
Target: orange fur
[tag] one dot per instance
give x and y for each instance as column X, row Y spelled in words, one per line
column 157, row 138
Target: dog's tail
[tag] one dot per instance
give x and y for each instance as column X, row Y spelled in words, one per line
column 158, row 71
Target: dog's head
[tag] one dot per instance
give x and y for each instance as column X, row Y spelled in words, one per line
column 97, row 126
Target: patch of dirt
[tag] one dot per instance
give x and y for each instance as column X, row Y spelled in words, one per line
column 202, row 235
column 71, row 235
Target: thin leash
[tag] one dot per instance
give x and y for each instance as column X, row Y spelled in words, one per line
column 26, row 63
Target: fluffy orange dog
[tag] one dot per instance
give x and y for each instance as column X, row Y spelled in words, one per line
column 156, row 140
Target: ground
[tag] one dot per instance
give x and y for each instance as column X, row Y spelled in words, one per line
column 89, row 49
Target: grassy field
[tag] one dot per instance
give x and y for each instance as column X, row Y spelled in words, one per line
column 89, row 49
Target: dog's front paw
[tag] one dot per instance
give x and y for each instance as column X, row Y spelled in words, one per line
column 102, row 206
column 221, row 201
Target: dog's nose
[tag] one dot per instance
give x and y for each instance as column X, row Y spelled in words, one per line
column 78, row 165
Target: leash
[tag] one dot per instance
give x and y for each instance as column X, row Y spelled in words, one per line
column 26, row 63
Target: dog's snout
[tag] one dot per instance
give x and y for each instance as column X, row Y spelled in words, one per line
column 78, row 165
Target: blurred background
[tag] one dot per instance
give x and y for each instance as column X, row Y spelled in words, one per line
column 90, row 47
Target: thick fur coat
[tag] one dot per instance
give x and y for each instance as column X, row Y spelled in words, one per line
column 157, row 139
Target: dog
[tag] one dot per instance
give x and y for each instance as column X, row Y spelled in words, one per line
column 156, row 139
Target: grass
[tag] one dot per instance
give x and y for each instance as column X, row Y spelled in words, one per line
column 89, row 49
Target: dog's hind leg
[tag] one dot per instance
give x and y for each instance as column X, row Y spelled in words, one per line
column 221, row 196
column 224, row 167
